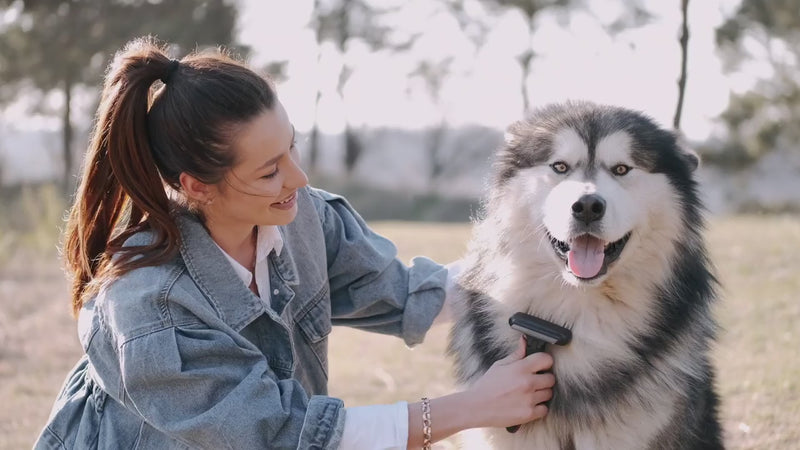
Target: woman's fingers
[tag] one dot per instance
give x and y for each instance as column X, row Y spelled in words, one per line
column 539, row 411
column 517, row 354
column 542, row 395
column 544, row 380
column 538, row 362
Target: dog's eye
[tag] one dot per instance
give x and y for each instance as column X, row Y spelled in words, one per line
column 620, row 170
column 560, row 167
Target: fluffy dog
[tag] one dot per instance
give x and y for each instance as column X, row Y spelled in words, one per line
column 593, row 222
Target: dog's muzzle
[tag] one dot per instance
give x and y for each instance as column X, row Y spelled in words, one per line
column 588, row 256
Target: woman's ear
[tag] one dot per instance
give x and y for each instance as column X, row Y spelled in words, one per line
column 195, row 190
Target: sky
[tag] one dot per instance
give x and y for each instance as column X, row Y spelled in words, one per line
column 575, row 60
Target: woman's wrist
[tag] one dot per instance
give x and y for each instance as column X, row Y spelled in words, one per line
column 427, row 433
column 448, row 415
column 461, row 410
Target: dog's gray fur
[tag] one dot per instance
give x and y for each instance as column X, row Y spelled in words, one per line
column 637, row 373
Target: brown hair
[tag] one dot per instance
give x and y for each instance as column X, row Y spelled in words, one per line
column 142, row 140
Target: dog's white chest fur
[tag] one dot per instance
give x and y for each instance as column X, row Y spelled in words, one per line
column 593, row 223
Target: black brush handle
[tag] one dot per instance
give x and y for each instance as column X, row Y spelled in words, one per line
column 532, row 345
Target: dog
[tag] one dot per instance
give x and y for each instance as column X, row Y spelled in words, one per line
column 593, row 222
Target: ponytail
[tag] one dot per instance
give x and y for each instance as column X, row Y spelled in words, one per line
column 142, row 141
column 120, row 185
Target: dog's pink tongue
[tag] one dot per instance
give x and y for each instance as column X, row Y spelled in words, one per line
column 585, row 256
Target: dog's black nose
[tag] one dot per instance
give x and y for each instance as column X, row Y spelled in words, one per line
column 589, row 208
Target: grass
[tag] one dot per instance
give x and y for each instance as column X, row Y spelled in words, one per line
column 756, row 358
column 29, row 219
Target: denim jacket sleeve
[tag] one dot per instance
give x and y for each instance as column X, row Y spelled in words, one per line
column 371, row 288
column 209, row 388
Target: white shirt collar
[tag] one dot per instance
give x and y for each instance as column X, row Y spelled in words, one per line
column 268, row 238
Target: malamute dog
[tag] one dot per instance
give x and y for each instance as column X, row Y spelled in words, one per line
column 593, row 222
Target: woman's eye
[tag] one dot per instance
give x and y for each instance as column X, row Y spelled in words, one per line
column 271, row 175
column 559, row 167
column 620, row 170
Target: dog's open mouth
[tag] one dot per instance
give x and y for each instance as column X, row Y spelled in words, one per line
column 588, row 256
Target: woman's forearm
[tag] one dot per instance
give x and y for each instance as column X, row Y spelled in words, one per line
column 449, row 415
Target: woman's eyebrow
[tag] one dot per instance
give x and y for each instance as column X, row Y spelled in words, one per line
column 270, row 162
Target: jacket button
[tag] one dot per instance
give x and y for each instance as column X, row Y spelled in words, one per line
column 276, row 292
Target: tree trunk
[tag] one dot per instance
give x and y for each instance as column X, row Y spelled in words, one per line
column 313, row 144
column 684, row 41
column 525, row 62
column 67, row 139
column 436, row 160
column 352, row 149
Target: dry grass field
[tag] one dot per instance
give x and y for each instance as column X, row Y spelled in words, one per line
column 757, row 356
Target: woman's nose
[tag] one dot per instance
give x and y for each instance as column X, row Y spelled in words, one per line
column 296, row 178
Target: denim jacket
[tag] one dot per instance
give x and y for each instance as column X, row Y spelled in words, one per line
column 183, row 355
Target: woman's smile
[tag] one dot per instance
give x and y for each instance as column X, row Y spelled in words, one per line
column 286, row 204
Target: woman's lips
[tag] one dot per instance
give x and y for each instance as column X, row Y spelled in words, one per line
column 287, row 203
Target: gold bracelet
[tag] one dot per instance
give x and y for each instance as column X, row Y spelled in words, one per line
column 426, row 424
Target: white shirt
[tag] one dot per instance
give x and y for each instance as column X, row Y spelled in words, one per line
column 268, row 237
column 365, row 427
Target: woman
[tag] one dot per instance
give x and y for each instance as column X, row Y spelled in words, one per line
column 207, row 274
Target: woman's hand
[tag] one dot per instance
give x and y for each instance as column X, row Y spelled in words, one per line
column 511, row 392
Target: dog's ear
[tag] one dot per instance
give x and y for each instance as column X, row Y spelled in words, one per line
column 689, row 156
column 513, row 134
column 510, row 139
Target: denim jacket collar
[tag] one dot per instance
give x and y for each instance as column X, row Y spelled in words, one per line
column 284, row 263
column 234, row 302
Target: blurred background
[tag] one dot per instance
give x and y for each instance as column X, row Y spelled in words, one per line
column 400, row 105
column 410, row 98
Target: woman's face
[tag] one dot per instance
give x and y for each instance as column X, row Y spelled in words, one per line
column 261, row 187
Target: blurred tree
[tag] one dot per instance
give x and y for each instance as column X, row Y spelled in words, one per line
column 684, row 42
column 339, row 21
column 433, row 74
column 277, row 70
column 766, row 33
column 434, row 70
column 59, row 45
column 634, row 15
column 530, row 10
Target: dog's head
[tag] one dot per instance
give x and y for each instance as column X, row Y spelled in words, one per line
column 600, row 180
